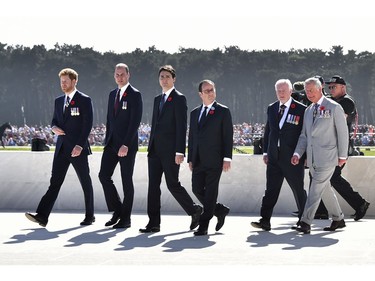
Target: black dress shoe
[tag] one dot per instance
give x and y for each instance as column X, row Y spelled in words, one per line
column 200, row 232
column 195, row 217
column 335, row 225
column 37, row 218
column 122, row 224
column 221, row 218
column 321, row 216
column 88, row 221
column 149, row 229
column 294, row 227
column 265, row 225
column 304, row 228
column 113, row 220
column 361, row 212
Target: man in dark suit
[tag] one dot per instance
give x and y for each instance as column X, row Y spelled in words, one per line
column 324, row 139
column 210, row 147
column 121, row 145
column 72, row 123
column 166, row 151
column 283, row 127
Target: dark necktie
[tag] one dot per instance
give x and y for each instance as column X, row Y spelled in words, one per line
column 315, row 112
column 162, row 101
column 281, row 112
column 203, row 117
column 117, row 101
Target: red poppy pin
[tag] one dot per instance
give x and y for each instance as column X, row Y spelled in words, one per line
column 292, row 105
column 124, row 94
column 170, row 98
column 212, row 110
column 322, row 108
column 72, row 102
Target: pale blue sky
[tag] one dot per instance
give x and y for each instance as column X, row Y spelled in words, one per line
column 119, row 26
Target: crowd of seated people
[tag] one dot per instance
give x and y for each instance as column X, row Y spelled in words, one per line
column 244, row 135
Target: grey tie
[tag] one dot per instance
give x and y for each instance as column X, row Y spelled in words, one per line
column 66, row 103
column 315, row 112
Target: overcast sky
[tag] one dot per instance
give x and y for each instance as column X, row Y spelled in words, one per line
column 123, row 25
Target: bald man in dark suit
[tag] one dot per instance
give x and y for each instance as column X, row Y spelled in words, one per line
column 210, row 149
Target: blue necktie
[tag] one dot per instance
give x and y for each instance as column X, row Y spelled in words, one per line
column 162, row 101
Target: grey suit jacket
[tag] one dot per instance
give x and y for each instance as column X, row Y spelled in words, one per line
column 325, row 139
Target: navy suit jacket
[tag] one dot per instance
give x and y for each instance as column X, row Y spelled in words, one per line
column 168, row 130
column 288, row 134
column 76, row 122
column 122, row 127
column 214, row 140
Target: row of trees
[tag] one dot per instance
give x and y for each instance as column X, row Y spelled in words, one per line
column 244, row 79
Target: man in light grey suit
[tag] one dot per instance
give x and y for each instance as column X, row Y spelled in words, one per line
column 324, row 139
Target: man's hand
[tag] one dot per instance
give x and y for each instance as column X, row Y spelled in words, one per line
column 226, row 166
column 58, row 131
column 341, row 162
column 123, row 151
column 179, row 159
column 76, row 151
column 294, row 160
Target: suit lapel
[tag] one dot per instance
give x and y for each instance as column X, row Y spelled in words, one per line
column 210, row 114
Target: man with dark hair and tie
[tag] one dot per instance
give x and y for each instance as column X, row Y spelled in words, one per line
column 210, row 147
column 72, row 123
column 282, row 130
column 124, row 116
column 324, row 139
column 166, row 151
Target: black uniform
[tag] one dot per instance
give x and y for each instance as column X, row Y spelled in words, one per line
column 339, row 183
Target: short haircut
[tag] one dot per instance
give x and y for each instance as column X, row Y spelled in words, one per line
column 284, row 81
column 73, row 75
column 123, row 65
column 168, row 68
column 205, row 81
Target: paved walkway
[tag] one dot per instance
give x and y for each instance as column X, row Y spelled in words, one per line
column 236, row 248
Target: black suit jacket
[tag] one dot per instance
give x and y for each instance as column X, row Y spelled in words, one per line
column 76, row 122
column 288, row 134
column 168, row 130
column 122, row 127
column 214, row 140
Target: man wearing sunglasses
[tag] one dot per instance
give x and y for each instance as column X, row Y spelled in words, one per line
column 337, row 89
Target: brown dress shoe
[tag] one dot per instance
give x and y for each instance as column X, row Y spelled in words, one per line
column 335, row 225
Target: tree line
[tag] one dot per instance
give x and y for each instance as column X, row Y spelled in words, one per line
column 244, row 79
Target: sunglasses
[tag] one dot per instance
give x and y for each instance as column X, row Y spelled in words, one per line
column 332, row 87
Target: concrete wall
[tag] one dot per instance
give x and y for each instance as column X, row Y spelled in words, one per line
column 25, row 178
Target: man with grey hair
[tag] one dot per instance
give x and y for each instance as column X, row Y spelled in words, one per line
column 283, row 128
column 325, row 142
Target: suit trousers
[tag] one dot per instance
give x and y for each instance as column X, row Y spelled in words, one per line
column 61, row 163
column 275, row 174
column 110, row 159
column 321, row 189
column 343, row 187
column 157, row 165
column 205, row 185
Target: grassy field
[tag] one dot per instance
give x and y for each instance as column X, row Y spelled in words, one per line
column 367, row 150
